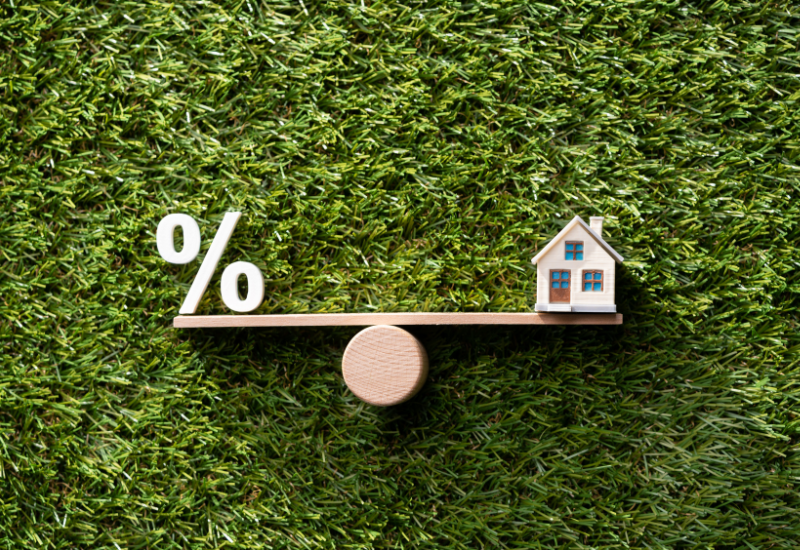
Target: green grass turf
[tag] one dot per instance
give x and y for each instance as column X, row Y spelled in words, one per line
column 398, row 156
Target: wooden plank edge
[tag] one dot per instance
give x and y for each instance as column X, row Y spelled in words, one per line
column 402, row 319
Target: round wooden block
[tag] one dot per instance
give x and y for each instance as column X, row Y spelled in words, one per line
column 384, row 365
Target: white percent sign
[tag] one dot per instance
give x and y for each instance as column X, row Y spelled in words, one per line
column 229, row 285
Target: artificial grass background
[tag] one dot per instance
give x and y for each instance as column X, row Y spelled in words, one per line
column 392, row 156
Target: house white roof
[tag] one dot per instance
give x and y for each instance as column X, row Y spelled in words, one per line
column 575, row 221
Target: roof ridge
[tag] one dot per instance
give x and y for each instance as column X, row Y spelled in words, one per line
column 574, row 221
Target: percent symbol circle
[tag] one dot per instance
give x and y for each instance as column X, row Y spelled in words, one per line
column 230, row 287
column 165, row 240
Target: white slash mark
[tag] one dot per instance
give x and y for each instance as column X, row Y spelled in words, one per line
column 210, row 262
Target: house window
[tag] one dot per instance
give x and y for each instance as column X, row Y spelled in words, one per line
column 574, row 250
column 559, row 279
column 592, row 281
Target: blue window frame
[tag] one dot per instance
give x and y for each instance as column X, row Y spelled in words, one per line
column 573, row 250
column 592, row 280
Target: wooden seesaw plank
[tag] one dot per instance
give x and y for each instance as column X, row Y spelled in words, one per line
column 415, row 318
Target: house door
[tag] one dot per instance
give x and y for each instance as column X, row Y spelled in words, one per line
column 559, row 286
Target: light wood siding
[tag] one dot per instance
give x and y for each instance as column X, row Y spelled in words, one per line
column 594, row 257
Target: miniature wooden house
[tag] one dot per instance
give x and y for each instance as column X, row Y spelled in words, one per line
column 576, row 270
